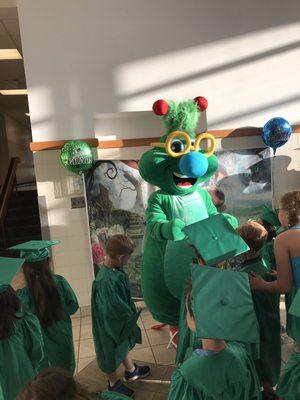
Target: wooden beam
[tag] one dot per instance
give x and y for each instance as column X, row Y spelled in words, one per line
column 119, row 144
column 122, row 143
column 58, row 144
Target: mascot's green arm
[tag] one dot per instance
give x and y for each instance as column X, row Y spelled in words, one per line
column 156, row 215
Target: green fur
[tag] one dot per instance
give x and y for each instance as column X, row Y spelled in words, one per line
column 182, row 116
column 166, row 213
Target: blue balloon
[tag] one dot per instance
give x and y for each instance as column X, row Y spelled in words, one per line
column 276, row 132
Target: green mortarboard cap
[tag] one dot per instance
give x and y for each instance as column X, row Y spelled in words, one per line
column 269, row 215
column 295, row 307
column 215, row 239
column 35, row 250
column 9, row 267
column 222, row 305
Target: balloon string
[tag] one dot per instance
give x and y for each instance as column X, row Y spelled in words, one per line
column 272, row 177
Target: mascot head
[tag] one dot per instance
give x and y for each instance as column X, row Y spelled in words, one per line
column 178, row 161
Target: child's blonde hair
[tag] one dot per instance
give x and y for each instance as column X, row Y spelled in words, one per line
column 118, row 245
column 254, row 234
column 290, row 202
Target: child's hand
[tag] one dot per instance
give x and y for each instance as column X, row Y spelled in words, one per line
column 273, row 273
column 256, row 282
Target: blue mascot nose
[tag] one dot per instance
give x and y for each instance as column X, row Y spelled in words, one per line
column 193, row 164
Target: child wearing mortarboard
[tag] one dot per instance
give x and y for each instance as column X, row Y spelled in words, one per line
column 219, row 308
column 215, row 240
column 21, row 341
column 52, row 300
column 266, row 306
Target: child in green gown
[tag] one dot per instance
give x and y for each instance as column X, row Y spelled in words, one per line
column 21, row 341
column 56, row 383
column 52, row 300
column 287, row 254
column 114, row 317
column 266, row 306
column 216, row 370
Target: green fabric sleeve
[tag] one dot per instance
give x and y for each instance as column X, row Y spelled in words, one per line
column 33, row 339
column 68, row 295
column 118, row 317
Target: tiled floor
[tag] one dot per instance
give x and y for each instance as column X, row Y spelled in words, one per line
column 153, row 351
column 150, row 351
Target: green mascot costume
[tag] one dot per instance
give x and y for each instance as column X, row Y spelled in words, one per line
column 177, row 163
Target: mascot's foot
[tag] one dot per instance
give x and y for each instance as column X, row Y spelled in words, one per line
column 173, row 337
column 173, row 334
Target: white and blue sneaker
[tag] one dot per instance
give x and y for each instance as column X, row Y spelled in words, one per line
column 138, row 373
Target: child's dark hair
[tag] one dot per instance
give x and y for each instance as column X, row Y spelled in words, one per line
column 54, row 384
column 44, row 292
column 9, row 305
column 270, row 229
column 188, row 293
column 119, row 245
column 220, row 195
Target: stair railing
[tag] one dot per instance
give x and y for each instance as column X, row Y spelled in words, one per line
column 5, row 192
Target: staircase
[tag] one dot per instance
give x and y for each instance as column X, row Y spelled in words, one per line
column 22, row 221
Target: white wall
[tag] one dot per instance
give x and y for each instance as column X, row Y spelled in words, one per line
column 89, row 56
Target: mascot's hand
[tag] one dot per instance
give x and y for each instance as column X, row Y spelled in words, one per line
column 172, row 230
column 232, row 220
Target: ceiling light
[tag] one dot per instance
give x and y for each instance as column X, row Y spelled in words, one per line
column 10, row 54
column 13, row 92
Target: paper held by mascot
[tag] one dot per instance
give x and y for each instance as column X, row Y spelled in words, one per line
column 176, row 163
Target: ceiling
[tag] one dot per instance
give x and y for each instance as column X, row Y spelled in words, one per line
column 12, row 74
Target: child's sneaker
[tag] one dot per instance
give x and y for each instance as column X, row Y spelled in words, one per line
column 138, row 373
column 119, row 387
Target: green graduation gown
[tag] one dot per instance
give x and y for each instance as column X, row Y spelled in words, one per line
column 112, row 396
column 289, row 384
column 58, row 337
column 107, row 396
column 227, row 375
column 187, row 340
column 20, row 355
column 266, row 306
column 292, row 322
column 268, row 255
column 114, row 318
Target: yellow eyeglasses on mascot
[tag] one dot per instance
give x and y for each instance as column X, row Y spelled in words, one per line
column 177, row 163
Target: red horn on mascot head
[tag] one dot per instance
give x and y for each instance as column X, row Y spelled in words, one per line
column 201, row 102
column 160, row 107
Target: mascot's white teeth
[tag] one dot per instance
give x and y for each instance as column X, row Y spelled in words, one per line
column 180, row 176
